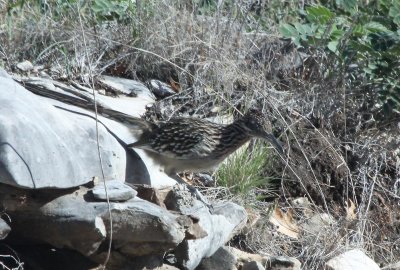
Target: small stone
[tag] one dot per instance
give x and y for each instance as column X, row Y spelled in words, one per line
column 283, row 263
column 352, row 259
column 244, row 257
column 221, row 259
column 206, row 179
column 160, row 89
column 216, row 109
column 25, row 66
column 151, row 194
column 117, row 191
column 253, row 265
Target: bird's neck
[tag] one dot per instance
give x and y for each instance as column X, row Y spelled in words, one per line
column 233, row 136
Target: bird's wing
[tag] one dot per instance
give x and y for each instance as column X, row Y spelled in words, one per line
column 180, row 138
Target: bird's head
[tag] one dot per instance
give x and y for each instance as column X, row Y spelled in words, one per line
column 257, row 125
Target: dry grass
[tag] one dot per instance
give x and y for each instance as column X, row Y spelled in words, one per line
column 227, row 59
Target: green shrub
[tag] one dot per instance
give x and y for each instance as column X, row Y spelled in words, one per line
column 365, row 38
column 121, row 11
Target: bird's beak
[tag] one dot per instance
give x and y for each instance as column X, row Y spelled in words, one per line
column 275, row 143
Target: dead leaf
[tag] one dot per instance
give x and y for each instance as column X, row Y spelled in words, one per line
column 351, row 211
column 174, row 85
column 285, row 223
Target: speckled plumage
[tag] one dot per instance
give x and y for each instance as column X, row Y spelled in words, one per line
column 190, row 144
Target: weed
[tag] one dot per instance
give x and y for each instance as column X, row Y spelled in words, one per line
column 246, row 170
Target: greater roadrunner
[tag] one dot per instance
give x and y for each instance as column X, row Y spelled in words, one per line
column 190, row 144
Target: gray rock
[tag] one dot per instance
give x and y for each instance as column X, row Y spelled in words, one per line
column 117, row 191
column 228, row 219
column 222, row 259
column 4, row 229
column 350, row 260
column 243, row 257
column 63, row 222
column 144, row 228
column 126, row 86
column 283, row 263
column 54, row 148
column 253, row 265
column 68, row 220
column 25, row 66
column 160, row 89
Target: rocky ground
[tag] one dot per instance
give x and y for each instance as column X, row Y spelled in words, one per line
column 73, row 218
column 331, row 202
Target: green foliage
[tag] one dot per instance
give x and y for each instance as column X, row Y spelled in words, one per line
column 366, row 36
column 121, row 11
column 106, row 10
column 245, row 170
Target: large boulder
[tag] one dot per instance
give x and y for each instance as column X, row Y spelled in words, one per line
column 50, row 175
column 228, row 218
column 44, row 147
column 74, row 219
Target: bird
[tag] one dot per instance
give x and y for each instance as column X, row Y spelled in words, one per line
column 198, row 145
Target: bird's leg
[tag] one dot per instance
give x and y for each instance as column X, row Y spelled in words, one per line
column 194, row 191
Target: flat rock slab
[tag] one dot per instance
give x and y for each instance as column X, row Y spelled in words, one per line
column 350, row 260
column 54, row 148
column 116, row 190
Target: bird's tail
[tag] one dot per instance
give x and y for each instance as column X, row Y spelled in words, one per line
column 85, row 100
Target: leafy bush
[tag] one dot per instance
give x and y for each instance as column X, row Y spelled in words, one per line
column 365, row 38
column 102, row 10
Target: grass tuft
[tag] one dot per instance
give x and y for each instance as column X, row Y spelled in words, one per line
column 245, row 170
